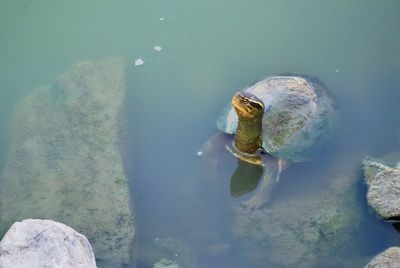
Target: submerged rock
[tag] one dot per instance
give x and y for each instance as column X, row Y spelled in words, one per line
column 166, row 263
column 168, row 250
column 64, row 164
column 390, row 258
column 383, row 182
column 45, row 243
column 302, row 231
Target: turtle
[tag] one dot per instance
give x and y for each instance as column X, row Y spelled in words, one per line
column 276, row 121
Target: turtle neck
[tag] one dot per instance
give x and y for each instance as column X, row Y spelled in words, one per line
column 248, row 137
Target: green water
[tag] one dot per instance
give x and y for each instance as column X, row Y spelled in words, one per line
column 210, row 49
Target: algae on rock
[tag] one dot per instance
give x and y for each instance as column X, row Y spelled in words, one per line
column 64, row 164
column 166, row 263
column 301, row 231
column 171, row 251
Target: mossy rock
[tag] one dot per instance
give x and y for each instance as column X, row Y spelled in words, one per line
column 166, row 263
column 171, row 251
column 302, row 231
column 63, row 162
column 382, row 177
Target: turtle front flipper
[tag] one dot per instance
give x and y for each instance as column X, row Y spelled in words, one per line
column 272, row 170
column 212, row 155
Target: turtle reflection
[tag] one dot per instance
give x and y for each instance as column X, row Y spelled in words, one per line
column 245, row 178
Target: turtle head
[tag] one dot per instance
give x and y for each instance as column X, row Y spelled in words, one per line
column 247, row 105
column 250, row 110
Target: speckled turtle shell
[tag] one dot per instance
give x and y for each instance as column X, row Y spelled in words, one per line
column 298, row 115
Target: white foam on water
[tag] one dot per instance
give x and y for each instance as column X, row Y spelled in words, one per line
column 139, row 62
column 157, row 48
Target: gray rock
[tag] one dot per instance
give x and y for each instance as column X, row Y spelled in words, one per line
column 63, row 162
column 45, row 243
column 390, row 258
column 301, row 231
column 383, row 182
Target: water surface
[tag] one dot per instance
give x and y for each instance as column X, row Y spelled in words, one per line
column 210, row 50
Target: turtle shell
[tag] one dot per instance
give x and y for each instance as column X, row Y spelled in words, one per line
column 297, row 116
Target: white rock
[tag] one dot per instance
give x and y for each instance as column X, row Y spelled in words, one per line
column 162, row 18
column 45, row 243
column 139, row 62
column 157, row 48
column 199, row 153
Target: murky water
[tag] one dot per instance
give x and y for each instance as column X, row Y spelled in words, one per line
column 210, row 49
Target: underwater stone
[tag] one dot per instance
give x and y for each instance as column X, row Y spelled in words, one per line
column 45, row 243
column 383, row 182
column 390, row 258
column 168, row 248
column 301, row 231
column 63, row 162
column 166, row 263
